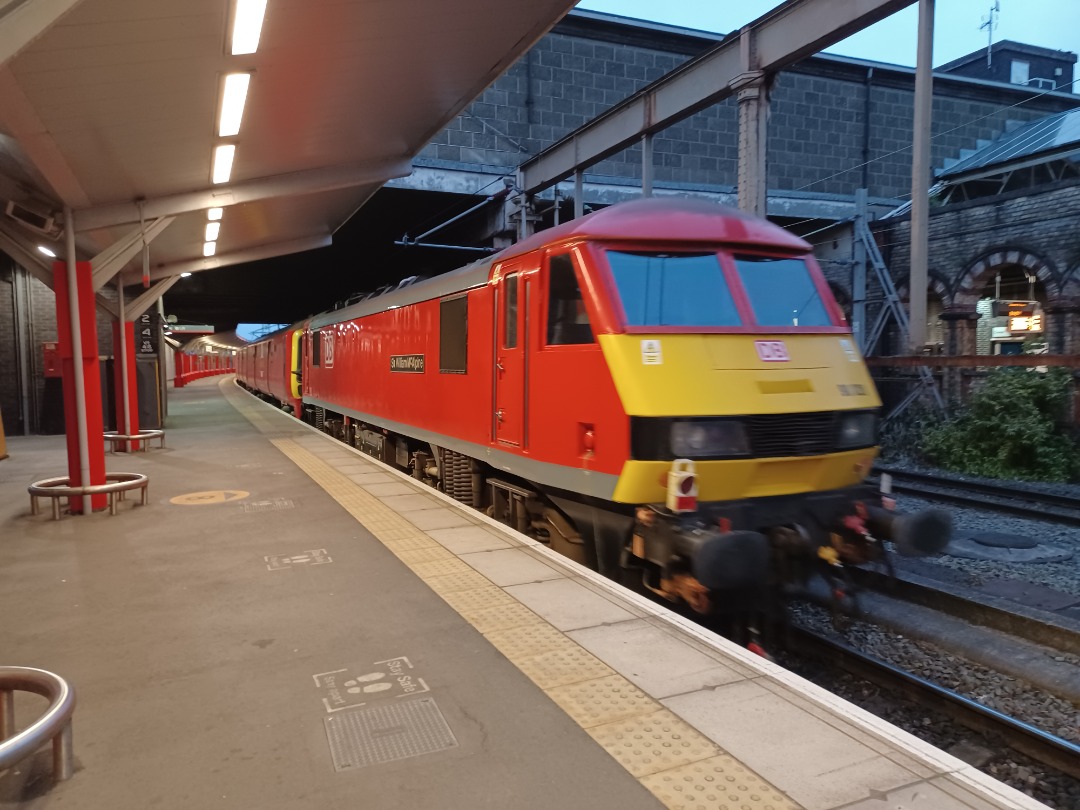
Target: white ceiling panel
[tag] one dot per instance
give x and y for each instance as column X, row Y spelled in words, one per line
column 116, row 101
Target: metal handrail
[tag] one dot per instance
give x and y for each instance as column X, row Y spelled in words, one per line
column 144, row 436
column 54, row 724
column 57, row 488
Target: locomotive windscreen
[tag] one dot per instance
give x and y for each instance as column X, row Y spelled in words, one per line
column 781, row 292
column 673, row 289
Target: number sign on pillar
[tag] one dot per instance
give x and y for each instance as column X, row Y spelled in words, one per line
column 146, row 337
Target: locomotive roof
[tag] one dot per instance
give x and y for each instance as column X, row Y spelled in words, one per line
column 655, row 219
column 668, row 219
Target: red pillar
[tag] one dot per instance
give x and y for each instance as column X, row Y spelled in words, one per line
column 126, row 403
column 91, row 379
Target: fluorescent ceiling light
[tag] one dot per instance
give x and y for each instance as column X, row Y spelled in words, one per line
column 214, row 213
column 209, row 248
column 247, row 26
column 233, row 97
column 212, row 230
column 46, row 251
column 184, row 275
column 223, row 158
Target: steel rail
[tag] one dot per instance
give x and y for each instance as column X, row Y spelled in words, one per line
column 1042, row 746
column 54, row 724
column 1051, row 508
column 997, row 490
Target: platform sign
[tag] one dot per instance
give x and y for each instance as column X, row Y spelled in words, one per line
column 146, row 334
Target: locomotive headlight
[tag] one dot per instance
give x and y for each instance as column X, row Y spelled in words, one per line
column 857, row 430
column 707, row 439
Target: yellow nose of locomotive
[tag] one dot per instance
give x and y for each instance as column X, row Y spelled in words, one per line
column 759, row 415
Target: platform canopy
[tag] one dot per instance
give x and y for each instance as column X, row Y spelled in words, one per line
column 111, row 108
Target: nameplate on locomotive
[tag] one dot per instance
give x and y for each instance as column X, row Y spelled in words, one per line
column 408, row 363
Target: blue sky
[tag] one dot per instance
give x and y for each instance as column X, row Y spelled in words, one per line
column 1048, row 23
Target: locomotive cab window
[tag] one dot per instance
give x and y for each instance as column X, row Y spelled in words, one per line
column 316, row 347
column 568, row 322
column 673, row 289
column 453, row 335
column 781, row 291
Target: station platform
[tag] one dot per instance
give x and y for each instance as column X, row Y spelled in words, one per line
column 291, row 624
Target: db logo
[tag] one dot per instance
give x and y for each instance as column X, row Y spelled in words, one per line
column 772, row 351
column 328, row 349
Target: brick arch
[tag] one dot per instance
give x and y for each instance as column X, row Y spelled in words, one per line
column 974, row 277
column 935, row 283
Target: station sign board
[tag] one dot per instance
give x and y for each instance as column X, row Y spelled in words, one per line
column 1024, row 317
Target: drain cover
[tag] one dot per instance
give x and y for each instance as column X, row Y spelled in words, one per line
column 387, row 733
column 999, row 540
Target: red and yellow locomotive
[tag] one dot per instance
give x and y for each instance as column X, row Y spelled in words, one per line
column 664, row 385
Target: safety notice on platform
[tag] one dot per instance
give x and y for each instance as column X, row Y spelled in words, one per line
column 318, row 556
column 349, row 688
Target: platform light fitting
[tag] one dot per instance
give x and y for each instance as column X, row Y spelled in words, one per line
column 247, row 26
column 214, row 213
column 46, row 251
column 212, row 231
column 233, row 95
column 223, row 160
column 209, row 248
column 182, row 275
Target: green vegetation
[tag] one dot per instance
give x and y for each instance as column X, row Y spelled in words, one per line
column 1014, row 427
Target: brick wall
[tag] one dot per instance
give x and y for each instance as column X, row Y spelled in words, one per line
column 826, row 117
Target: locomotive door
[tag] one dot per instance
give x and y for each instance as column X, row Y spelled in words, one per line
column 508, row 421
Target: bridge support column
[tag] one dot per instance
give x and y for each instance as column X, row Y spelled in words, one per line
column 752, row 90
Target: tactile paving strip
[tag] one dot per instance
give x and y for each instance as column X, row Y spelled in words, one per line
column 653, row 742
column 636, row 730
column 445, row 567
column 455, row 583
column 478, row 599
column 529, row 640
column 714, row 784
column 603, row 700
column 569, row 665
column 387, row 733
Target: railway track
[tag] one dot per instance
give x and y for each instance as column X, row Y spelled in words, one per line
column 1053, row 752
column 1000, row 498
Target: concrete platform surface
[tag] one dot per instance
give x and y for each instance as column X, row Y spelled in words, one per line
column 290, row 624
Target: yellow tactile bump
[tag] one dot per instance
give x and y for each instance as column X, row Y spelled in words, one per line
column 654, row 742
column 572, row 664
column 478, row 600
column 530, row 640
column 423, row 555
column 718, row 783
column 414, row 543
column 603, row 700
column 445, row 584
column 502, row 617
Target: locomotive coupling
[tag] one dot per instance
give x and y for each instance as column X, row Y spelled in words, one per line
column 717, row 559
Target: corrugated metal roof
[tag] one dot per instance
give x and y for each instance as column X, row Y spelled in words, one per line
column 1055, row 133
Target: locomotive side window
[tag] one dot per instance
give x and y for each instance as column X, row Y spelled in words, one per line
column 666, row 289
column 781, row 292
column 316, row 347
column 568, row 322
column 453, row 335
column 510, row 311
